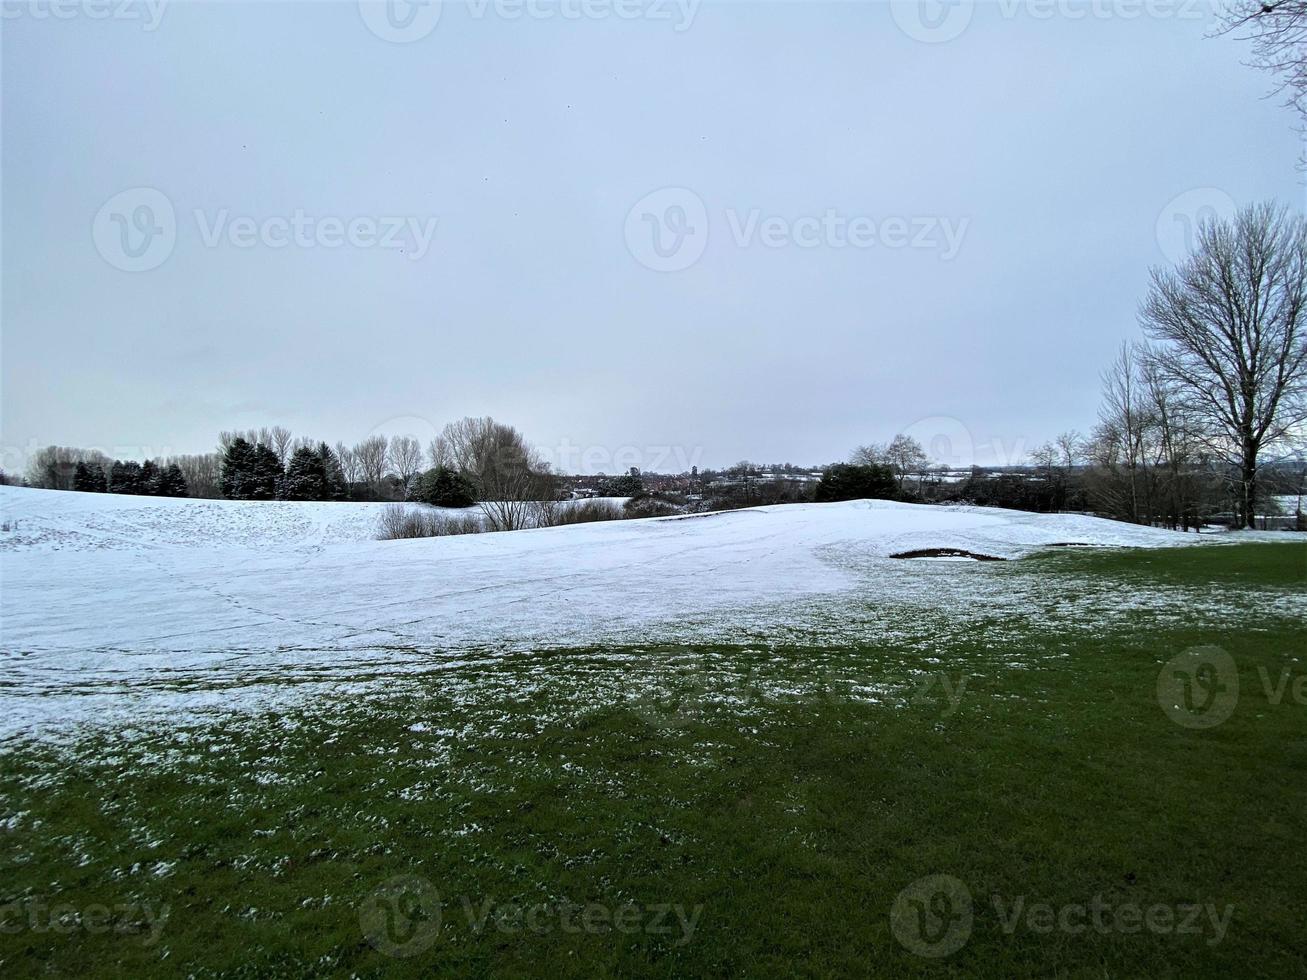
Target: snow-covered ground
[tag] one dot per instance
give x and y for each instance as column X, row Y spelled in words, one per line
column 114, row 605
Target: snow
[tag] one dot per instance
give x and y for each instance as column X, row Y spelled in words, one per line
column 116, row 605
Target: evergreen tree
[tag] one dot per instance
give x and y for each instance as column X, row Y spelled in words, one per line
column 172, row 483
column 846, row 481
column 125, row 477
column 266, row 473
column 89, row 478
column 149, row 483
column 333, row 475
column 626, row 485
column 306, row 478
column 443, row 487
column 237, row 470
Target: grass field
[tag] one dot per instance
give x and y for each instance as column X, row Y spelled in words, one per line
column 1020, row 796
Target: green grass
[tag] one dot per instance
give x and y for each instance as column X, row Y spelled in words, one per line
column 780, row 797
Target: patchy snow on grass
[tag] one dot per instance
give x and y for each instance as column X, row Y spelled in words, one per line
column 115, row 607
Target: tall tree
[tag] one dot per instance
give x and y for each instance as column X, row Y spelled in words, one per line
column 237, row 469
column 89, row 478
column 405, row 455
column 125, row 477
column 1278, row 32
column 265, row 473
column 172, row 483
column 905, row 455
column 1232, row 340
column 305, row 477
column 370, row 455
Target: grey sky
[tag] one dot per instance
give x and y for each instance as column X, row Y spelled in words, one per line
column 1035, row 161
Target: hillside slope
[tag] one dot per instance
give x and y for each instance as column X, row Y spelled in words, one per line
column 106, row 594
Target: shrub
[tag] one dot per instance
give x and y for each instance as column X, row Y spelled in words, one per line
column 847, row 481
column 626, row 485
column 582, row 512
column 648, row 506
column 443, row 487
column 399, row 522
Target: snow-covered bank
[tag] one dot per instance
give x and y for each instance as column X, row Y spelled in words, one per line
column 108, row 595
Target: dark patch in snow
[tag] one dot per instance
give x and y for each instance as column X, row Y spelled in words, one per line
column 946, row 553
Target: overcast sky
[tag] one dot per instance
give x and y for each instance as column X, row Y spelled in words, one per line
column 646, row 233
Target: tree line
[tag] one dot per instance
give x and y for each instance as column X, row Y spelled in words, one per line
column 1217, row 389
column 1194, row 419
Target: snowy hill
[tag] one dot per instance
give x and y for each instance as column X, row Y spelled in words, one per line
column 106, row 593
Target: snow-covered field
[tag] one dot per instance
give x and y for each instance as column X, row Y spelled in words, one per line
column 118, row 607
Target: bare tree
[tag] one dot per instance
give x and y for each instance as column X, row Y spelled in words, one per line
column 1119, row 438
column 517, row 494
column 405, row 454
column 370, row 455
column 203, row 473
column 513, row 481
column 872, row 454
column 904, row 455
column 252, row 436
column 1278, row 32
column 1230, row 321
column 54, row 466
column 280, row 443
column 349, row 464
column 438, row 453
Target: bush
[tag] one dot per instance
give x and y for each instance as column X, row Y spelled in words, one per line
column 443, row 487
column 847, row 481
column 648, row 506
column 585, row 512
column 626, row 485
column 399, row 522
